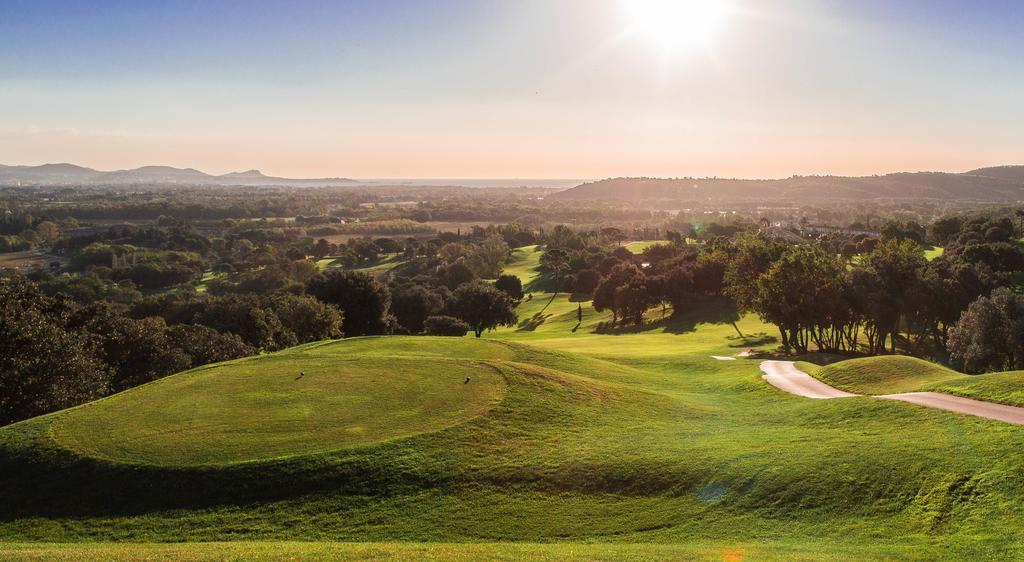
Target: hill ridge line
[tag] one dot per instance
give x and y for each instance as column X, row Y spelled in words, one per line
column 785, row 376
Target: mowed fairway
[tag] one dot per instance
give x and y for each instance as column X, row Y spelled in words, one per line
column 631, row 444
column 264, row 407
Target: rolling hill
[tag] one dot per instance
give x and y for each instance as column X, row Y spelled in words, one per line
column 1010, row 173
column 638, row 442
column 70, row 174
column 890, row 374
column 1002, row 185
column 566, row 443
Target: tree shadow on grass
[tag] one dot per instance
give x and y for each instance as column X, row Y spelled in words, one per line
column 713, row 310
column 532, row 323
column 544, row 283
column 751, row 340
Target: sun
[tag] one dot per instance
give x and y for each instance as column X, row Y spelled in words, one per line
column 676, row 23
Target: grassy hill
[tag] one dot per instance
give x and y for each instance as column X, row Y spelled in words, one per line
column 566, row 444
column 886, row 374
column 892, row 374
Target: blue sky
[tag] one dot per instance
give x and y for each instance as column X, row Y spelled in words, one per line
column 532, row 88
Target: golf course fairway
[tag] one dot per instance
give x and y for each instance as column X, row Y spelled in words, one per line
column 566, row 443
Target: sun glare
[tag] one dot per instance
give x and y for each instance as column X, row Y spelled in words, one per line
column 676, row 23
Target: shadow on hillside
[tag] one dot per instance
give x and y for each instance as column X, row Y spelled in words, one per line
column 532, row 323
column 717, row 310
column 751, row 340
column 544, row 283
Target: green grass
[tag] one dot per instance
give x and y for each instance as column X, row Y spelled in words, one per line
column 101, row 552
column 523, row 263
column 633, row 444
column 933, row 252
column 1005, row 388
column 639, row 247
column 887, row 374
column 893, row 374
column 385, row 263
column 260, row 408
column 204, row 282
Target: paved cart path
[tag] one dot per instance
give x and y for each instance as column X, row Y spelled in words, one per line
column 785, row 376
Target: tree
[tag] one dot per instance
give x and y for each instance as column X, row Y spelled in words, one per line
column 413, row 304
column 990, row 334
column 943, row 230
column 900, row 231
column 554, row 262
column 751, row 257
column 138, row 350
column 43, row 365
column 896, row 270
column 482, row 306
column 205, row 345
column 48, row 231
column 306, row 317
column 511, row 285
column 678, row 286
column 321, row 249
column 606, row 295
column 490, row 256
column 455, row 274
column 363, row 300
column 245, row 316
column 445, row 326
column 632, row 299
column 709, row 275
column 585, row 281
column 801, row 294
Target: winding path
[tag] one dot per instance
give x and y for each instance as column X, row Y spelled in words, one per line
column 785, row 376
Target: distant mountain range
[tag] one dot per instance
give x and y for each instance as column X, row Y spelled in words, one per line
column 1002, row 184
column 999, row 184
column 70, row 174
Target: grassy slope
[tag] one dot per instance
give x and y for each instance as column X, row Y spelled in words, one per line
column 933, row 252
column 102, row 552
column 887, row 374
column 385, row 263
column 1006, row 388
column 623, row 438
column 892, row 374
column 260, row 408
column 639, row 247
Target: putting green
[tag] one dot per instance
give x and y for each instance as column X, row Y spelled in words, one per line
column 260, row 408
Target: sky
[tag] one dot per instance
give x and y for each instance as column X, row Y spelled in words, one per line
column 514, row 88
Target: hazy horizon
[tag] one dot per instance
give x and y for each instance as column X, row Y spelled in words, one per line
column 460, row 89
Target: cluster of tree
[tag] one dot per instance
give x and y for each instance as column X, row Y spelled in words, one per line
column 55, row 353
column 889, row 294
column 665, row 275
column 21, row 231
column 990, row 334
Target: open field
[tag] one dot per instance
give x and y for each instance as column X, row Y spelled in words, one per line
column 633, row 444
column 382, row 265
column 28, row 259
column 933, row 252
column 639, row 247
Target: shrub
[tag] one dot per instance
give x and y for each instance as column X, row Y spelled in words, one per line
column 445, row 326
